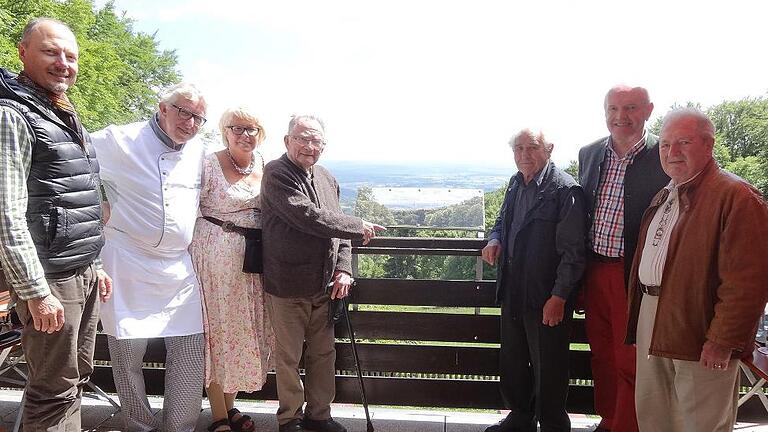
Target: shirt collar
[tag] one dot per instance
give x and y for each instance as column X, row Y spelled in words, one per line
column 672, row 182
column 154, row 123
column 538, row 178
column 633, row 151
column 309, row 174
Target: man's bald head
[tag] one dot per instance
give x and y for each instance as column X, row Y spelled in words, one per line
column 626, row 111
column 49, row 52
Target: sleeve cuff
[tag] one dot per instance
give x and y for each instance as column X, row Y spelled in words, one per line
column 36, row 289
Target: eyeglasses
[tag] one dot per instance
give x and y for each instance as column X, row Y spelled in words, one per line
column 239, row 130
column 186, row 115
column 316, row 144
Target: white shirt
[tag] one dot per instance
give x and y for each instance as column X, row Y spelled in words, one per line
column 154, row 193
column 654, row 254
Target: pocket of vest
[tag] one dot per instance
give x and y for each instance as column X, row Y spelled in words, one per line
column 58, row 226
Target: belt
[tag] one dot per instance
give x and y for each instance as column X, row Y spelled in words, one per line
column 650, row 290
column 228, row 226
column 605, row 259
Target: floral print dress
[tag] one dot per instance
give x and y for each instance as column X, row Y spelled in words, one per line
column 239, row 339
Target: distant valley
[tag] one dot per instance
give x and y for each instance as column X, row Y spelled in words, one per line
column 353, row 175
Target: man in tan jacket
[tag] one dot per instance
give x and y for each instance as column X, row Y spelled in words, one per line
column 697, row 286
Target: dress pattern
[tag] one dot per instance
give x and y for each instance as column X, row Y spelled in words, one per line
column 239, row 339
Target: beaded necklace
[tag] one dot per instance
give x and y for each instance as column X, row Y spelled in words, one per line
column 244, row 171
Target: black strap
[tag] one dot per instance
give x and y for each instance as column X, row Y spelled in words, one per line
column 227, row 226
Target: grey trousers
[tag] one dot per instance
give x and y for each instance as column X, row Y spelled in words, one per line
column 62, row 362
column 184, row 374
column 296, row 320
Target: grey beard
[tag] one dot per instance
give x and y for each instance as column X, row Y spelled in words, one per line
column 59, row 88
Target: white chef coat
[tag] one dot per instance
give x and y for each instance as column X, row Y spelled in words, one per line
column 154, row 193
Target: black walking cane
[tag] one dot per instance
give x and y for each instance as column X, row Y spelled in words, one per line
column 357, row 363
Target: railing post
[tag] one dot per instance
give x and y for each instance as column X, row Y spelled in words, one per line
column 479, row 269
column 355, row 273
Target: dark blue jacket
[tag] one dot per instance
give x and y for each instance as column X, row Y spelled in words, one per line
column 549, row 255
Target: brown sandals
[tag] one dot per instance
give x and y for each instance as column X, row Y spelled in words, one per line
column 243, row 424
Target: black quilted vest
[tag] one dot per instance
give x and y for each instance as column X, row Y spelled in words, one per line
column 63, row 211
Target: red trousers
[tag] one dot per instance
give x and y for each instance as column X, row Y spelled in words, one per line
column 613, row 362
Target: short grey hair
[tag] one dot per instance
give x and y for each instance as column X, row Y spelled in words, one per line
column 35, row 22
column 704, row 125
column 182, row 90
column 296, row 118
column 535, row 136
column 628, row 89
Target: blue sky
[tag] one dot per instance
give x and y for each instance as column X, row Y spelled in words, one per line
column 453, row 80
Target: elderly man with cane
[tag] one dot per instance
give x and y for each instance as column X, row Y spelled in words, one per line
column 306, row 249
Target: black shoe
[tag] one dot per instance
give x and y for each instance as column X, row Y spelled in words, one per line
column 328, row 425
column 507, row 425
column 499, row 427
column 292, row 426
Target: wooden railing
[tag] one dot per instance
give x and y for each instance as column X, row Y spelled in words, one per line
column 413, row 351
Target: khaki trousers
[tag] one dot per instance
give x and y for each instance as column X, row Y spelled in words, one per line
column 296, row 320
column 60, row 363
column 678, row 395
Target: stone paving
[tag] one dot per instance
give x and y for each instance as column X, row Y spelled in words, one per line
column 99, row 416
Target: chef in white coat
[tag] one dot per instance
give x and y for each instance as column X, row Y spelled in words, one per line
column 151, row 171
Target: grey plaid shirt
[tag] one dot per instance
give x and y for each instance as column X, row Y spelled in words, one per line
column 18, row 256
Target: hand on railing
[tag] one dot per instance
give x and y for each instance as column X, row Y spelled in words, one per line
column 370, row 230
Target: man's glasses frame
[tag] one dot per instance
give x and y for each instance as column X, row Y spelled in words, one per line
column 309, row 142
column 185, row 114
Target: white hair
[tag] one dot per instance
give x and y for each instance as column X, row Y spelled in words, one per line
column 535, row 136
column 182, row 90
column 296, row 118
column 704, row 125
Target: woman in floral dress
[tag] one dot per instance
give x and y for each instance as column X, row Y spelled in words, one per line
column 238, row 333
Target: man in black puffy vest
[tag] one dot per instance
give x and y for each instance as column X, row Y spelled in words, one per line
column 51, row 228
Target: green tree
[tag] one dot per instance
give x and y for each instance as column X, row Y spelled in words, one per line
column 120, row 69
column 493, row 202
column 367, row 208
column 742, row 126
column 741, row 140
column 573, row 169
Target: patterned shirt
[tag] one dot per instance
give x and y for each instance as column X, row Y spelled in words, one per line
column 606, row 234
column 18, row 256
column 654, row 254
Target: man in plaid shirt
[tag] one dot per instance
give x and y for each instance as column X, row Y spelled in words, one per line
column 620, row 175
column 50, row 228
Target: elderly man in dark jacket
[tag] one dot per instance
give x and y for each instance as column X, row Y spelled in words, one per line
column 539, row 241
column 306, row 249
